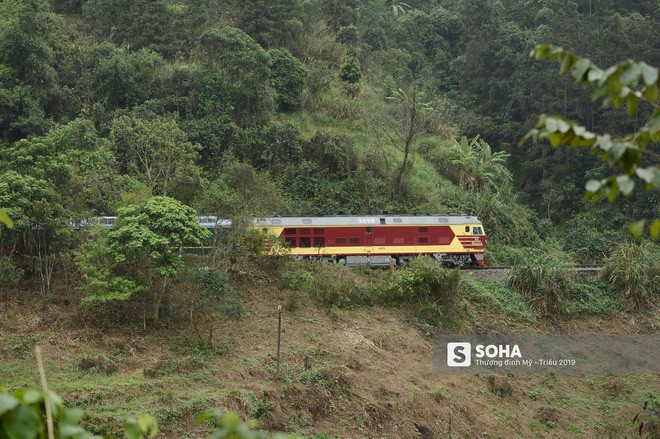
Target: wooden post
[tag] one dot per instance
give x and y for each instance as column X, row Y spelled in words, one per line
column 279, row 336
column 44, row 385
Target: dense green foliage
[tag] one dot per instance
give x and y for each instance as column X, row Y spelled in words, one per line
column 23, row 414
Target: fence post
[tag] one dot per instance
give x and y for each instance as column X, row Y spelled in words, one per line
column 279, row 336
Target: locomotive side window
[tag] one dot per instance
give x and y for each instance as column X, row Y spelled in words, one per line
column 354, row 240
column 290, row 231
column 423, row 229
column 340, row 240
column 304, row 242
column 423, row 240
column 467, row 228
column 303, row 231
column 290, row 241
column 319, row 231
column 368, row 229
column 319, row 242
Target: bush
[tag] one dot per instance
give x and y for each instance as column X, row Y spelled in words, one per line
column 435, row 289
column 342, row 287
column 10, row 274
column 634, row 271
column 545, row 281
column 425, row 279
column 595, row 297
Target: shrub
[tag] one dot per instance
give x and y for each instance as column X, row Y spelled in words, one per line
column 435, row 289
column 545, row 281
column 341, row 287
column 634, row 271
column 425, row 279
column 10, row 274
column 594, row 297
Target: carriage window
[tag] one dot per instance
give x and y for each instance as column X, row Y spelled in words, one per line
column 303, row 231
column 304, row 242
column 289, row 231
column 319, row 231
column 340, row 240
column 423, row 229
column 319, row 242
column 291, row 242
column 423, row 240
column 354, row 240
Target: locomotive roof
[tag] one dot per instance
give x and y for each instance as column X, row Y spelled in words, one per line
column 366, row 220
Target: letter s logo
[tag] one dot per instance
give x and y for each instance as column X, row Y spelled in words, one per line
column 459, row 354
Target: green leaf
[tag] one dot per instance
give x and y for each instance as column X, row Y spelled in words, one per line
column 650, row 175
column 654, row 123
column 580, row 69
column 4, row 219
column 650, row 74
column 637, row 228
column 149, row 425
column 593, row 186
column 7, row 402
column 654, row 229
column 625, row 183
column 22, row 423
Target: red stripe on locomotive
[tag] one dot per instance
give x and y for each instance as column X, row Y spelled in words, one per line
column 367, row 236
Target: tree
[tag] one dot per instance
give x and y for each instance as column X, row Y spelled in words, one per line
column 628, row 82
column 272, row 23
column 149, row 236
column 98, row 266
column 350, row 72
column 245, row 70
column 479, row 166
column 287, row 77
column 39, row 218
column 409, row 122
column 154, row 149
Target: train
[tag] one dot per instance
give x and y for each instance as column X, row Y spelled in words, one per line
column 455, row 240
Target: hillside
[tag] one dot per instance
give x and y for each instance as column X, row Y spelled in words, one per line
column 159, row 111
column 349, row 372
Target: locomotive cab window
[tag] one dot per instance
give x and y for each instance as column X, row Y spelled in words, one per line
column 477, row 231
column 467, row 228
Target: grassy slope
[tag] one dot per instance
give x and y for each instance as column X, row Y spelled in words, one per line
column 355, row 373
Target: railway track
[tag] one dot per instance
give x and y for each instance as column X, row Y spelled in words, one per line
column 594, row 267
column 499, row 272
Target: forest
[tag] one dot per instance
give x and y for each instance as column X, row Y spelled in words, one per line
column 158, row 111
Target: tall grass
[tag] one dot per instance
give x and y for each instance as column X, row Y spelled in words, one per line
column 634, row 271
column 545, row 281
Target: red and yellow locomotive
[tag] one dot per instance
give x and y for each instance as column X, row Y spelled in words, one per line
column 455, row 240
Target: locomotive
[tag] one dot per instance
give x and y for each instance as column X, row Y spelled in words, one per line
column 379, row 240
